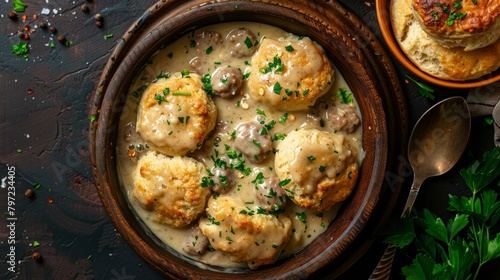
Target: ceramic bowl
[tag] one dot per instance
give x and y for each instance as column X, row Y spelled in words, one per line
column 384, row 21
column 368, row 72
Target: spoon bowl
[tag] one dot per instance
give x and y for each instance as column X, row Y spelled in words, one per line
column 436, row 144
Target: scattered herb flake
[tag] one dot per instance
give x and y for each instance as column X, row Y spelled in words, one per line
column 283, row 118
column 277, row 88
column 160, row 98
column 301, row 216
column 107, row 36
column 183, row 93
column 21, row 49
column 248, row 42
column 19, row 6
column 284, row 182
column 260, row 112
column 36, row 243
column 185, row 73
column 209, row 50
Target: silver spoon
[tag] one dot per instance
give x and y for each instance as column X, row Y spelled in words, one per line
column 436, row 144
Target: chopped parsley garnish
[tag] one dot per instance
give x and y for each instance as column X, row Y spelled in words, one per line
column 163, row 75
column 276, row 65
column 209, row 50
column 322, row 169
column 277, row 88
column 279, row 136
column 160, row 98
column 248, row 42
column 270, row 125
column 301, row 216
column 260, row 112
column 259, row 179
column 183, row 93
column 435, row 15
column 289, row 48
column 213, row 221
column 283, row 118
column 257, row 144
column 207, row 84
column 455, row 16
column 184, row 120
column 185, row 73
column 284, row 182
column 107, row 36
column 311, row 158
column 345, row 98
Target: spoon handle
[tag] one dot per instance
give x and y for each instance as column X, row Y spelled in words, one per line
column 412, row 196
column 383, row 269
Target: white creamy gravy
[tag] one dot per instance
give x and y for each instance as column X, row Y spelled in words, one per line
column 231, row 111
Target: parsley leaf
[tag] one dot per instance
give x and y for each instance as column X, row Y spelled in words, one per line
column 21, row 49
column 423, row 89
column 459, row 247
column 19, row 6
column 345, row 98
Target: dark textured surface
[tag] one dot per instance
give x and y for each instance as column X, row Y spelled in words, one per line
column 44, row 117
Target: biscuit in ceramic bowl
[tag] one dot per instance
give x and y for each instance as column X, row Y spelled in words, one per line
column 467, row 24
column 427, row 54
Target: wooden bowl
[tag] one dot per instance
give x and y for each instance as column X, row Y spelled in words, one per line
column 384, row 21
column 368, row 72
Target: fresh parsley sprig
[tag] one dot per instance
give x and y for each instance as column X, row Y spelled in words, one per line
column 423, row 89
column 459, row 247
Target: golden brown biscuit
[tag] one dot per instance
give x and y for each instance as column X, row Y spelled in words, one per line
column 256, row 239
column 175, row 115
column 434, row 59
column 321, row 168
column 170, row 188
column 289, row 74
column 460, row 23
